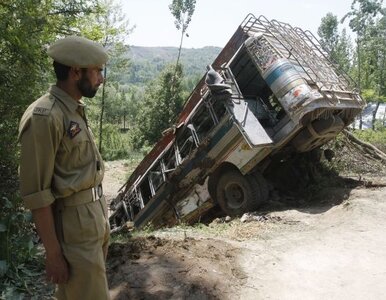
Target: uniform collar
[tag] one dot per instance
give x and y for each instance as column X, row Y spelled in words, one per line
column 65, row 98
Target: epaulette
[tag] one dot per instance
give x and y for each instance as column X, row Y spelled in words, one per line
column 44, row 105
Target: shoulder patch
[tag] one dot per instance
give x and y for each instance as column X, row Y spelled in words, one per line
column 41, row 111
column 44, row 105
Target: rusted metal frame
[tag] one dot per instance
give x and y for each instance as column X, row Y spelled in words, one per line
column 153, row 187
column 311, row 37
column 151, row 184
column 250, row 18
column 316, row 66
column 272, row 32
column 184, row 143
column 204, row 113
column 322, row 65
column 283, row 31
column 307, row 35
column 133, row 198
column 165, row 161
column 264, row 46
column 163, row 169
column 141, row 202
column 288, row 46
column 339, row 82
column 212, row 113
column 186, row 166
column 193, row 132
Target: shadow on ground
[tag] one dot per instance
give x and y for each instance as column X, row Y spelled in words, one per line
column 156, row 268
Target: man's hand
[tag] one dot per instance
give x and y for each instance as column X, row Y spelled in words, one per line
column 56, row 268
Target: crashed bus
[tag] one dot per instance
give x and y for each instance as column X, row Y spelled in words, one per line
column 272, row 92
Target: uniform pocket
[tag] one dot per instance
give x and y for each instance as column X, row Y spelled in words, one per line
column 77, row 152
column 83, row 223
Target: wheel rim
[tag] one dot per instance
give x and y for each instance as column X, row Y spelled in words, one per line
column 234, row 194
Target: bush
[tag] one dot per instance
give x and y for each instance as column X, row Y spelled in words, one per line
column 17, row 247
column 349, row 159
column 375, row 137
column 115, row 144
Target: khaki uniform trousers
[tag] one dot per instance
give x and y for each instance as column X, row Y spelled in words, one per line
column 84, row 239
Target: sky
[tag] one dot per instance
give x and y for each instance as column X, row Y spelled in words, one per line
column 214, row 21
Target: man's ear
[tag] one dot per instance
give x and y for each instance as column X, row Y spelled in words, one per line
column 75, row 73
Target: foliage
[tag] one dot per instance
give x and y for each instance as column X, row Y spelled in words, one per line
column 367, row 20
column 349, row 160
column 338, row 45
column 148, row 62
column 361, row 15
column 375, row 137
column 182, row 11
column 139, row 101
column 116, row 143
column 362, row 20
column 371, row 95
column 27, row 27
column 158, row 109
column 16, row 246
column 111, row 29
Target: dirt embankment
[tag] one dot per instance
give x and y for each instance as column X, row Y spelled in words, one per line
column 331, row 246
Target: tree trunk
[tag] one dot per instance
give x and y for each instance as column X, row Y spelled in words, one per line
column 374, row 115
column 359, row 77
column 366, row 147
column 178, row 58
column 102, row 111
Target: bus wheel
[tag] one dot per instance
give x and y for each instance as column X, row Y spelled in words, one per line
column 258, row 179
column 236, row 194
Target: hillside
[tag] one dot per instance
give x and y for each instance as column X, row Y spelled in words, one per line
column 148, row 62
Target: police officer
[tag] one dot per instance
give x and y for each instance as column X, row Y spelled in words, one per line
column 61, row 172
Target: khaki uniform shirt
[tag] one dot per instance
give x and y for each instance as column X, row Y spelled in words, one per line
column 58, row 154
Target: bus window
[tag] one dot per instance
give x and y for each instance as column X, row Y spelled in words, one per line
column 135, row 204
column 156, row 178
column 202, row 122
column 145, row 190
column 169, row 161
column 185, row 144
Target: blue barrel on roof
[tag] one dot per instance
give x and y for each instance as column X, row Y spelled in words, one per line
column 282, row 76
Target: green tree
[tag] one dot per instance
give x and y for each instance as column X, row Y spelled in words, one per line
column 182, row 11
column 111, row 29
column 361, row 17
column 338, row 45
column 159, row 108
column 27, row 27
column 374, row 56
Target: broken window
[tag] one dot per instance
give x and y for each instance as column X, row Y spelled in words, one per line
column 156, row 178
column 202, row 122
column 135, row 204
column 169, row 161
column 145, row 190
column 185, row 144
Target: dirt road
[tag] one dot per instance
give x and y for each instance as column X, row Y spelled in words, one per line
column 330, row 247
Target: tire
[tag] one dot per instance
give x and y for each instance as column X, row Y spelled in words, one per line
column 260, row 181
column 237, row 194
